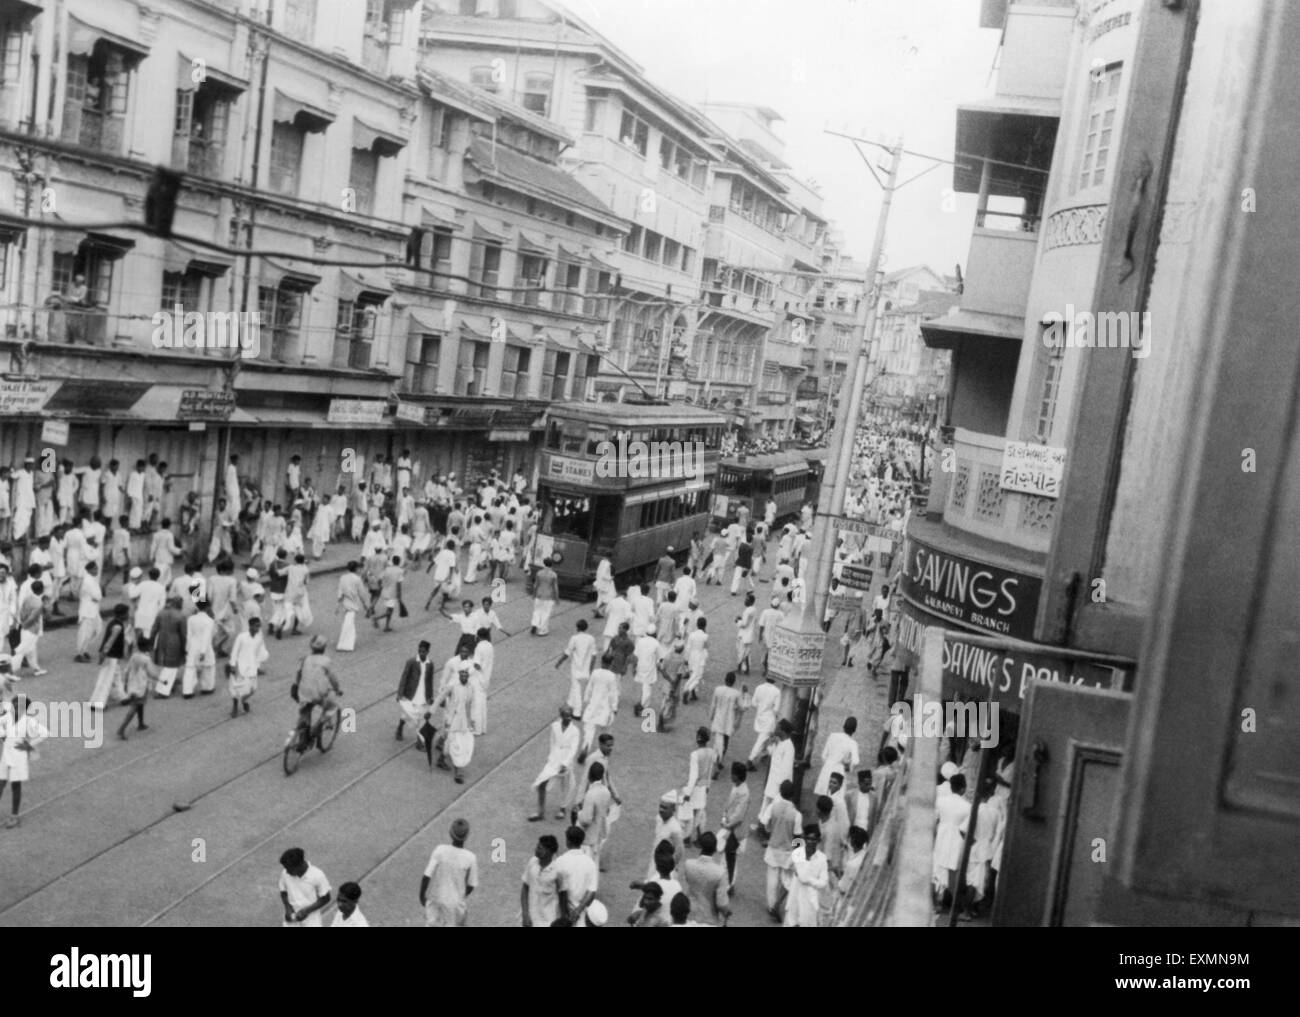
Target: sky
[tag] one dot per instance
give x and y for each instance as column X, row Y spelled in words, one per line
column 872, row 68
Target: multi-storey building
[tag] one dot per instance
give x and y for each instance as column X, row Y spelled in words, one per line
column 289, row 123
column 911, row 378
column 641, row 152
column 511, row 314
column 837, row 304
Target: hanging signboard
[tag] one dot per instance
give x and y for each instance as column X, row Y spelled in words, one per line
column 794, row 657
column 54, row 432
column 356, row 411
column 1032, row 469
column 205, row 404
column 581, row 471
column 856, row 577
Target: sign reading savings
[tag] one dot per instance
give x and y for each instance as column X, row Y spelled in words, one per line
column 1033, row 469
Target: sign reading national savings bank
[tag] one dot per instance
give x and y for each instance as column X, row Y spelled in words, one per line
column 982, row 596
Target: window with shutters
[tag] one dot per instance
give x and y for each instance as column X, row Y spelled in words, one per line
column 653, row 246
column 484, row 77
column 93, row 265
column 439, row 142
column 1103, row 103
column 537, row 93
column 632, row 242
column 634, row 132
column 354, row 333
column 281, row 309
column 471, row 367
column 183, row 288
column 441, row 256
column 514, row 373
column 202, row 121
column 286, row 158
column 300, row 20
column 95, row 97
column 424, row 352
column 531, row 279
column 1048, row 395
column 485, row 268
column 362, row 178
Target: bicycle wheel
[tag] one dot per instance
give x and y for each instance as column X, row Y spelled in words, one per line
column 293, row 752
column 329, row 729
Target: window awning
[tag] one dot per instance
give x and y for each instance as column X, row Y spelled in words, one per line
column 468, row 332
column 602, row 266
column 180, row 257
column 300, row 113
column 366, row 137
column 481, row 232
column 361, row 287
column 192, row 72
column 162, row 403
column 82, row 37
column 569, row 254
column 426, row 319
column 431, row 219
column 108, row 244
column 533, row 244
column 289, row 278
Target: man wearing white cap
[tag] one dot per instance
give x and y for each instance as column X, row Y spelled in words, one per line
column 648, row 652
column 451, row 875
column 619, row 611
column 457, row 702
column 667, row 828
column 153, row 595
column 601, row 703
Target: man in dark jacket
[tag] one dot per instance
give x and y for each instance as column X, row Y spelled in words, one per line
column 169, row 645
column 415, row 697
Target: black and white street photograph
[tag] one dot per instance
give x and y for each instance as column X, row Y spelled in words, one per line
column 650, row 463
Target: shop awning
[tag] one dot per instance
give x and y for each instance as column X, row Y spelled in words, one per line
column 82, row 37
column 162, row 403
column 365, row 287
column 91, row 398
column 288, row 109
column 367, row 137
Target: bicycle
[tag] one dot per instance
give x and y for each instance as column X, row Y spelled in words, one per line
column 321, row 733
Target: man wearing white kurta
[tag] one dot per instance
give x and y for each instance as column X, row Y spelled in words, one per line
column 766, row 700
column 89, row 626
column 200, row 658
column 604, row 586
column 601, row 703
column 560, row 760
column 457, row 703
column 648, row 652
column 620, row 611
column 246, row 655
column 839, row 755
column 806, row 880
column 24, row 499
column 581, row 654
column 21, row 733
column 780, row 769
column 952, row 811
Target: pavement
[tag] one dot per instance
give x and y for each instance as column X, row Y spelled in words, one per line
column 183, row 824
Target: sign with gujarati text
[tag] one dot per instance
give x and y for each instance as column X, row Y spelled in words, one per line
column 55, row 432
column 969, row 669
column 205, row 404
column 970, row 592
column 26, row 396
column 562, row 468
column 1032, row 469
column 794, row 657
column 856, row 577
column 356, row 411
column 523, row 435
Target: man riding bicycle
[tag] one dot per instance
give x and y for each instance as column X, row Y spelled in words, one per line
column 316, row 684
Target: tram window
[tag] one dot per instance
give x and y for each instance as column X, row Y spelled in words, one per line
column 574, row 442
column 553, row 435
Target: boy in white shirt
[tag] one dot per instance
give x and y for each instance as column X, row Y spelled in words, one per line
column 304, row 891
column 349, row 916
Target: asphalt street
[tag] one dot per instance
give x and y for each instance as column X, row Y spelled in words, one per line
column 183, row 824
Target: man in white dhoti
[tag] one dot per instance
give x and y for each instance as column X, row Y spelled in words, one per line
column 601, row 703
column 457, row 704
column 21, row 733
column 352, row 599
column 765, row 701
column 545, row 593
column 560, row 760
column 704, row 760
column 24, row 498
column 246, row 655
column 580, row 652
column 200, row 657
column 415, row 696
column 485, row 656
column 593, row 814
column 89, row 625
column 697, row 655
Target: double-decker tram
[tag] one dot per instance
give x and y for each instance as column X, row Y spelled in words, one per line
column 623, row 481
column 789, row 478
